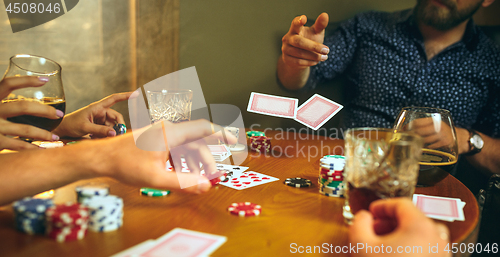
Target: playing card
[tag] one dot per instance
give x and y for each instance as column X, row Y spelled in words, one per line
column 219, row 152
column 184, row 243
column 273, row 105
column 442, row 208
column 248, row 179
column 136, row 250
column 233, row 168
column 316, row 111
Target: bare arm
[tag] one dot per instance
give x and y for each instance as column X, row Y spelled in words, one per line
column 302, row 47
column 30, row 172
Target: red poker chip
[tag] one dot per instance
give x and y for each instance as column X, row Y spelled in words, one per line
column 331, row 174
column 67, row 234
column 67, row 214
column 244, row 209
column 332, row 178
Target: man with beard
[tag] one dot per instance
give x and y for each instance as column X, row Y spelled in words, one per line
column 432, row 55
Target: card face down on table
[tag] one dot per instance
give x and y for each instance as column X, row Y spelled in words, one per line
column 178, row 242
column 441, row 208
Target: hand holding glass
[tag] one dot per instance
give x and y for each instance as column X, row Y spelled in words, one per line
column 52, row 93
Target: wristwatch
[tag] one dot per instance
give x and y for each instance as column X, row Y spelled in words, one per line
column 476, row 142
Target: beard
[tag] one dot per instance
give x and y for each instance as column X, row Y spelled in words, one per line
column 441, row 18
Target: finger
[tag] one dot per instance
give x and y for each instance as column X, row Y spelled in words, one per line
column 185, row 132
column 114, row 117
column 114, row 98
column 15, row 144
column 208, row 161
column 299, row 62
column 384, row 226
column 303, row 54
column 98, row 131
column 400, row 209
column 12, row 109
column 192, row 162
column 172, row 180
column 23, row 130
column 431, row 139
column 9, row 84
column 320, row 23
column 307, row 44
column 361, row 229
column 297, row 24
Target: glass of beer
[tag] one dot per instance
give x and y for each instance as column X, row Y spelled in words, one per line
column 380, row 163
column 440, row 151
column 51, row 93
column 172, row 105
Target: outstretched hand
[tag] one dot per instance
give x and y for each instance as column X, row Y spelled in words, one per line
column 97, row 119
column 302, row 46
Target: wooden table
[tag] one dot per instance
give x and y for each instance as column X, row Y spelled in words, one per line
column 289, row 215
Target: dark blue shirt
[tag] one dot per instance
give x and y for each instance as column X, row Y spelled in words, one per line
column 383, row 55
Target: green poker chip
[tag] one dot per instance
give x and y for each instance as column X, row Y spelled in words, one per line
column 254, row 133
column 152, row 192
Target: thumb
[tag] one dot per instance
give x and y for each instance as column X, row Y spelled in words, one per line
column 99, row 130
column 321, row 23
column 361, row 229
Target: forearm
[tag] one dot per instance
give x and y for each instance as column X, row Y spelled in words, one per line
column 30, row 172
column 488, row 160
column 291, row 78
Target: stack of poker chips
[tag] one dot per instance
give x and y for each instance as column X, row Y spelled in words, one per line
column 30, row 215
column 331, row 175
column 106, row 212
column 260, row 144
column 254, row 133
column 89, row 190
column 67, row 222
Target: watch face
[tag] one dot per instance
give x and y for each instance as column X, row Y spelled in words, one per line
column 478, row 141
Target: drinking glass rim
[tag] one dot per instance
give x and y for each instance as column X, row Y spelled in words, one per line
column 171, row 91
column 369, row 128
column 12, row 60
column 437, row 110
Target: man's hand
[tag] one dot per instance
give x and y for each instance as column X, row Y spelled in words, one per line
column 97, row 119
column 398, row 223
column 302, row 46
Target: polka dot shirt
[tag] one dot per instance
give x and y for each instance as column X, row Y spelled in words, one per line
column 383, row 55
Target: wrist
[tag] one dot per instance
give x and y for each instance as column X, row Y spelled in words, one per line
column 462, row 140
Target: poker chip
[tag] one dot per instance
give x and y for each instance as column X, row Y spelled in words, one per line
column 254, row 133
column 331, row 175
column 30, row 215
column 67, row 222
column 67, row 234
column 298, row 182
column 120, row 129
column 152, row 192
column 244, row 209
column 67, row 215
column 91, row 189
column 260, row 144
column 105, row 213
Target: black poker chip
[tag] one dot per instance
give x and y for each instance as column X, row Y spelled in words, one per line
column 298, row 182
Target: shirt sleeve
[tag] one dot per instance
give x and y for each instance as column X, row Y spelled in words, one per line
column 342, row 43
column 488, row 121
